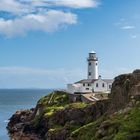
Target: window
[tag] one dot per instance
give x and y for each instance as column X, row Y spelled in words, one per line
column 89, row 64
column 110, row 86
column 89, row 85
column 89, row 73
column 96, row 64
column 84, row 84
column 97, row 85
column 103, row 85
column 87, row 88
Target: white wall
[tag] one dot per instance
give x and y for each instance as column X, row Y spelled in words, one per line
column 93, row 69
column 72, row 88
column 100, row 87
column 86, row 88
column 108, row 86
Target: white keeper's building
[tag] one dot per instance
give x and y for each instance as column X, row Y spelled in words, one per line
column 94, row 82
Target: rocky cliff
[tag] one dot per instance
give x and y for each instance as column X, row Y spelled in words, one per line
column 57, row 118
column 125, row 88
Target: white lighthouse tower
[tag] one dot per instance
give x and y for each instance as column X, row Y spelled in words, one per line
column 92, row 66
column 93, row 83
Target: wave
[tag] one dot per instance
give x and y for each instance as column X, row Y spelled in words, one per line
column 6, row 121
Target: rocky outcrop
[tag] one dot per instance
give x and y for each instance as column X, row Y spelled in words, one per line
column 56, row 117
column 18, row 125
column 19, row 119
column 58, row 125
column 125, row 87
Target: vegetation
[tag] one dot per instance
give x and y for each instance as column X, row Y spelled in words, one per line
column 121, row 126
column 51, row 103
column 77, row 105
column 124, row 125
column 54, row 102
column 57, row 98
column 49, row 111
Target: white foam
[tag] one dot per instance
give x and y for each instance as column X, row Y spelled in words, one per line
column 6, row 121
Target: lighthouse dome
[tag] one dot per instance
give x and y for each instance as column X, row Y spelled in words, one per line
column 93, row 52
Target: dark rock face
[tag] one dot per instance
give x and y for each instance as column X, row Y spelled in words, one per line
column 64, row 118
column 67, row 115
column 63, row 134
column 75, row 117
column 20, row 124
column 18, row 119
column 123, row 88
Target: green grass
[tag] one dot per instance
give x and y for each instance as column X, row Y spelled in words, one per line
column 58, row 101
column 55, row 128
column 130, row 125
column 77, row 105
column 36, row 120
column 87, row 132
column 58, row 98
column 49, row 111
column 120, row 127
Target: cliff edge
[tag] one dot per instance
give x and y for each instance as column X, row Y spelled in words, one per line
column 55, row 117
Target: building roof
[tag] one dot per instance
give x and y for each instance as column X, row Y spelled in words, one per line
column 93, row 80
column 86, row 81
column 108, row 80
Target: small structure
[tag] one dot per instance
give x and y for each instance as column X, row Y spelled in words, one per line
column 94, row 83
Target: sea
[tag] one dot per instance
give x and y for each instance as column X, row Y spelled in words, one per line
column 12, row 100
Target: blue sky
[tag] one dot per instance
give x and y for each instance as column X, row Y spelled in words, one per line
column 44, row 44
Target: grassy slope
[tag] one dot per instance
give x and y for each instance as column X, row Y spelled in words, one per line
column 121, row 126
column 59, row 101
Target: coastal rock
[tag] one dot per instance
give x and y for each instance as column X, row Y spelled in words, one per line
column 56, row 117
column 124, row 88
column 18, row 120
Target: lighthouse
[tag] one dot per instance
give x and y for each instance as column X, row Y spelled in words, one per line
column 92, row 66
column 94, row 83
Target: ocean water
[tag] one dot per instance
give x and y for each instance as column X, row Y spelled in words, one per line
column 12, row 100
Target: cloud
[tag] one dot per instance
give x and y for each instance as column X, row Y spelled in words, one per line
column 41, row 15
column 48, row 22
column 128, row 27
column 133, row 36
column 24, row 77
column 65, row 3
column 75, row 3
column 124, row 24
column 13, row 6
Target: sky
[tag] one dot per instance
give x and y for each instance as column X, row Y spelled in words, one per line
column 45, row 43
